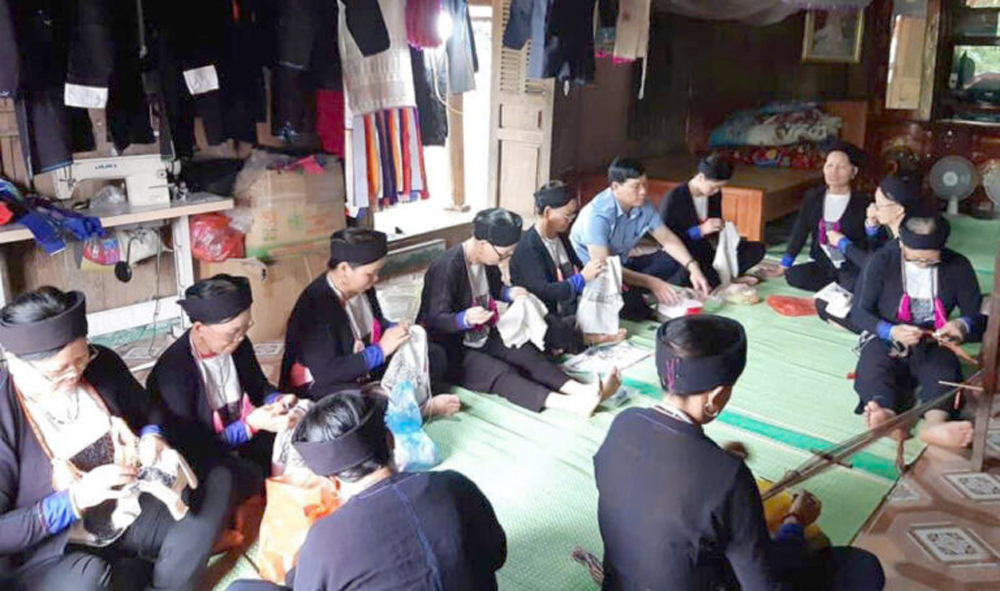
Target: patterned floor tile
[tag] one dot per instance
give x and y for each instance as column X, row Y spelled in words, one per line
column 951, row 544
column 980, row 487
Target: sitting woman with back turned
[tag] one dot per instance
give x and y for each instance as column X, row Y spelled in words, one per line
column 677, row 511
column 459, row 308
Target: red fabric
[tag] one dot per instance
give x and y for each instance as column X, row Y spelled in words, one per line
column 792, row 306
column 330, row 120
column 422, row 18
column 245, row 411
column 6, row 215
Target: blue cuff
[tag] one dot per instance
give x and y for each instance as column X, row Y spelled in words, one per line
column 374, row 356
column 787, row 260
column 884, row 330
column 578, row 282
column 791, row 531
column 151, row 430
column 460, row 318
column 871, row 230
column 843, row 244
column 272, row 397
column 236, row 434
column 505, row 293
column 57, row 509
column 390, row 324
column 694, row 232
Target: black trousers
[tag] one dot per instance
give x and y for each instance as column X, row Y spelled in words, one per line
column 890, row 381
column 825, row 316
column 840, row 568
column 155, row 553
column 563, row 334
column 523, row 375
column 659, row 264
column 252, row 585
column 815, row 275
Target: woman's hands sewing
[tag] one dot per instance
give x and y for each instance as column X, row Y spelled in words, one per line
column 805, row 509
column 516, row 292
column 953, row 331
column 592, row 269
column 394, row 337
column 101, row 484
column 477, row 316
column 273, row 417
column 834, row 237
column 711, row 226
column 906, row 334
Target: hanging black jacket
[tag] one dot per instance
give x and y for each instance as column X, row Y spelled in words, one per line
column 877, row 301
column 319, row 337
column 182, row 407
column 26, row 472
column 562, row 37
column 532, row 268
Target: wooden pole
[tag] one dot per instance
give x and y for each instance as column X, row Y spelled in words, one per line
column 456, row 149
column 991, row 350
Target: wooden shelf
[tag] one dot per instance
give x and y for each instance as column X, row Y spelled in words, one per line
column 126, row 215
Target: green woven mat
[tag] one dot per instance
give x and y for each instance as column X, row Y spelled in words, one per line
column 537, row 471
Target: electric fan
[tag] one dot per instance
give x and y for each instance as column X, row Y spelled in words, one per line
column 953, row 178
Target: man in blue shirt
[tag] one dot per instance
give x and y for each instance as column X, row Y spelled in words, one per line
column 614, row 222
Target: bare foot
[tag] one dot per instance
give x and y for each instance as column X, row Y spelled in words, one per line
column 876, row 416
column 951, row 434
column 610, row 384
column 600, row 339
column 442, row 405
column 228, row 539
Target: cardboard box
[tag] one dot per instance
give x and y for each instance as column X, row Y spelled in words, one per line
column 276, row 287
column 292, row 211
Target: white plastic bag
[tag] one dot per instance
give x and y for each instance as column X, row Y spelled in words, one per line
column 410, row 364
column 726, row 262
column 601, row 301
column 523, row 321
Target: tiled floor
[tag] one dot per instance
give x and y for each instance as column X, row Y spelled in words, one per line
column 940, row 527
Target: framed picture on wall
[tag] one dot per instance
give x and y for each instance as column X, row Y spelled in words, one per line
column 833, row 36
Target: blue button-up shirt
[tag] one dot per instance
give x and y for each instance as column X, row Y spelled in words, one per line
column 602, row 222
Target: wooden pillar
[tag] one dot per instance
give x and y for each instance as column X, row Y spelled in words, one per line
column 456, row 149
column 991, row 350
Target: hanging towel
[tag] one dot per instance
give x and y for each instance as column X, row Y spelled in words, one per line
column 383, row 80
column 523, row 321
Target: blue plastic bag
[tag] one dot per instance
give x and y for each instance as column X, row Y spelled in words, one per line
column 415, row 450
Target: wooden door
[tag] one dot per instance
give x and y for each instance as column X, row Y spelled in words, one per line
column 520, row 124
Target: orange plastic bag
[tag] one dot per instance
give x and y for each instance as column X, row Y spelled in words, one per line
column 792, row 306
column 294, row 503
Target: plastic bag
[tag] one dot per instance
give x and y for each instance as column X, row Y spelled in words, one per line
column 102, row 251
column 108, row 196
column 601, row 300
column 213, row 240
column 415, row 450
column 294, row 503
column 240, row 219
column 792, row 306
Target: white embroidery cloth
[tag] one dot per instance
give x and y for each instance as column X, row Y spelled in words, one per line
column 838, row 300
column 523, row 321
column 601, row 301
column 284, row 458
column 410, row 363
column 726, row 262
column 380, row 81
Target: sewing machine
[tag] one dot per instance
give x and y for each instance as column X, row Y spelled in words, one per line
column 145, row 177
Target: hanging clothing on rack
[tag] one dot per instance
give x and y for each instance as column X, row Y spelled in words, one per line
column 562, row 37
column 430, row 83
column 388, row 159
column 382, row 80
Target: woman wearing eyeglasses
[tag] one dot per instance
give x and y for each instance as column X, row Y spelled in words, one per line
column 908, row 292
column 217, row 403
column 458, row 307
column 546, row 265
column 74, row 428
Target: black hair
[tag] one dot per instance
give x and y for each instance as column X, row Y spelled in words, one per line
column 555, row 184
column 498, row 222
column 694, row 337
column 331, row 417
column 716, row 167
column 35, row 306
column 352, row 236
column 214, row 286
column 624, row 168
column 921, row 225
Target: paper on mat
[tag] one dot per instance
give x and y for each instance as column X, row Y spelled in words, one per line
column 838, row 300
column 602, row 359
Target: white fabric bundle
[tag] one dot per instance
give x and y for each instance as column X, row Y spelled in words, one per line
column 726, row 262
column 523, row 321
column 601, row 301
